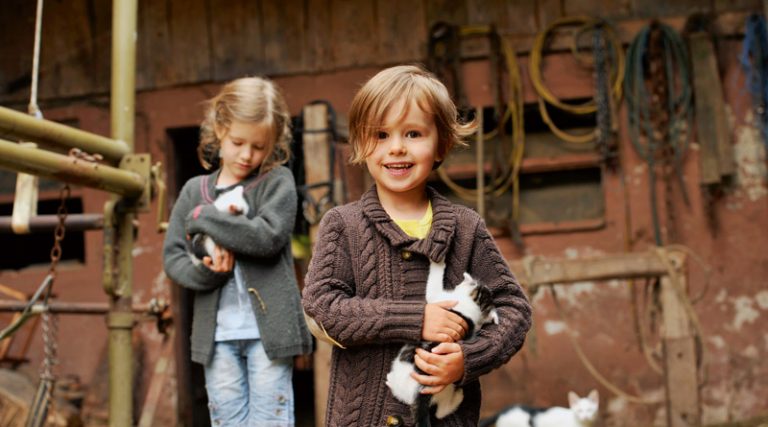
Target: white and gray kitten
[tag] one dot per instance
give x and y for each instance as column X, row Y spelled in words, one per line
column 233, row 201
column 475, row 305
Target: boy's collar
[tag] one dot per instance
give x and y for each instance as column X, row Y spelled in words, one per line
column 435, row 245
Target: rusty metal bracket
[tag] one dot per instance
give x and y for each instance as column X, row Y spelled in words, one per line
column 140, row 164
column 158, row 188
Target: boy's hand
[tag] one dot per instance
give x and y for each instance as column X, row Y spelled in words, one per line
column 222, row 262
column 441, row 324
column 443, row 366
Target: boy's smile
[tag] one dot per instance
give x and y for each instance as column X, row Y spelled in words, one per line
column 405, row 151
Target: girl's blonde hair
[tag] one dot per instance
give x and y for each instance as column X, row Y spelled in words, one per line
column 403, row 83
column 248, row 99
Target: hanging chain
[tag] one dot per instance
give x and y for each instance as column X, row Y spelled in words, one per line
column 50, row 324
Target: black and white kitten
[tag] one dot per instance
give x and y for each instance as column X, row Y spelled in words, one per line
column 475, row 305
column 201, row 244
column 582, row 412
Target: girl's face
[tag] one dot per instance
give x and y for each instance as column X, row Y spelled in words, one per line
column 404, row 153
column 244, row 145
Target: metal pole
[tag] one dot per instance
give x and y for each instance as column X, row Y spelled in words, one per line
column 58, row 307
column 20, row 158
column 120, row 319
column 48, row 223
column 16, row 125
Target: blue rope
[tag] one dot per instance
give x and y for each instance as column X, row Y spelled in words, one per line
column 645, row 139
column 754, row 61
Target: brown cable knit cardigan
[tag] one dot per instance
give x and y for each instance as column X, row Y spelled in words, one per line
column 366, row 286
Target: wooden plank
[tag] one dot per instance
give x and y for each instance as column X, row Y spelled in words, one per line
column 393, row 25
column 17, row 32
column 316, row 147
column 318, row 35
column 655, row 8
column 449, row 11
column 174, row 44
column 236, row 42
column 681, row 377
column 534, row 271
column 737, row 5
column 520, row 18
column 354, row 40
column 283, row 36
column 602, row 8
column 66, row 52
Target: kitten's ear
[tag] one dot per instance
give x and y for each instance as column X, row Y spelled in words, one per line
column 573, row 398
column 594, row 396
column 467, row 276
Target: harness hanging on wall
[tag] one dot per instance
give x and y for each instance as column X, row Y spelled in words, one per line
column 659, row 104
column 716, row 162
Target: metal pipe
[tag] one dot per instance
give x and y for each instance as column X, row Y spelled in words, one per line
column 16, row 125
column 16, row 157
column 56, row 307
column 120, row 319
column 47, row 223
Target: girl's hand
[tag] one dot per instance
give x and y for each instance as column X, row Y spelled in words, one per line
column 222, row 262
column 443, row 366
column 441, row 324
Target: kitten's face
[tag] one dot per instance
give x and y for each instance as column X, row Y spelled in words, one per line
column 482, row 296
column 584, row 408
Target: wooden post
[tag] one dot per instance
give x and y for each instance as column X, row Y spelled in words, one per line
column 316, row 152
column 680, row 373
column 480, row 153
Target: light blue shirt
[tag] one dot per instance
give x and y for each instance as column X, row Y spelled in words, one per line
column 235, row 319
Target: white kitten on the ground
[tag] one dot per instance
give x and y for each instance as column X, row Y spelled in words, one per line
column 582, row 412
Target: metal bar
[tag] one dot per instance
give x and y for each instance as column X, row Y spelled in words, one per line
column 69, row 169
column 47, row 223
column 57, row 307
column 120, row 319
column 17, row 125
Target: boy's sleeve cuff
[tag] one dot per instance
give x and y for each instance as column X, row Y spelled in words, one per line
column 403, row 321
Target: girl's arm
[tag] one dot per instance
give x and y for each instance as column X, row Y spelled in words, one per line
column 330, row 298
column 495, row 344
column 266, row 233
column 177, row 261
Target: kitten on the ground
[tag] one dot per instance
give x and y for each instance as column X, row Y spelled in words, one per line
column 582, row 412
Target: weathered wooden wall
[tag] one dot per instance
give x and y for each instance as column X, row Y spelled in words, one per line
column 324, row 49
column 182, row 42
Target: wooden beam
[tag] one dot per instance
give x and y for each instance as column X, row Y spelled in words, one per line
column 536, row 271
column 316, row 152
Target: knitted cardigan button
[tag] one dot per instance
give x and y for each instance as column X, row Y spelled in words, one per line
column 394, row 420
column 406, row 255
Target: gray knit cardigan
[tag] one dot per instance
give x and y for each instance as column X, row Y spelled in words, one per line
column 365, row 286
column 261, row 243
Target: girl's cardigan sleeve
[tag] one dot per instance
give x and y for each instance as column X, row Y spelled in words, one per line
column 495, row 344
column 177, row 261
column 330, row 297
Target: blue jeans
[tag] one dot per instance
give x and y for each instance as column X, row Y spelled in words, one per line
column 245, row 388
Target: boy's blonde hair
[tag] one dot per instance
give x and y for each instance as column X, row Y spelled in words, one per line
column 248, row 99
column 403, row 83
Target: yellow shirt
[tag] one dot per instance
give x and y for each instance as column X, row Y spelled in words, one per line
column 418, row 228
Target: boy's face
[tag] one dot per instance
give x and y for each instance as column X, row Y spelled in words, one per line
column 404, row 152
column 244, row 145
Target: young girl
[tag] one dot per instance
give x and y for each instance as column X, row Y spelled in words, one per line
column 366, row 281
column 247, row 322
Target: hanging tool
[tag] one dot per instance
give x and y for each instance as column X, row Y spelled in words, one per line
column 659, row 119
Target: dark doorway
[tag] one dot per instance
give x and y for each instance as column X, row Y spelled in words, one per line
column 192, row 399
column 183, row 164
